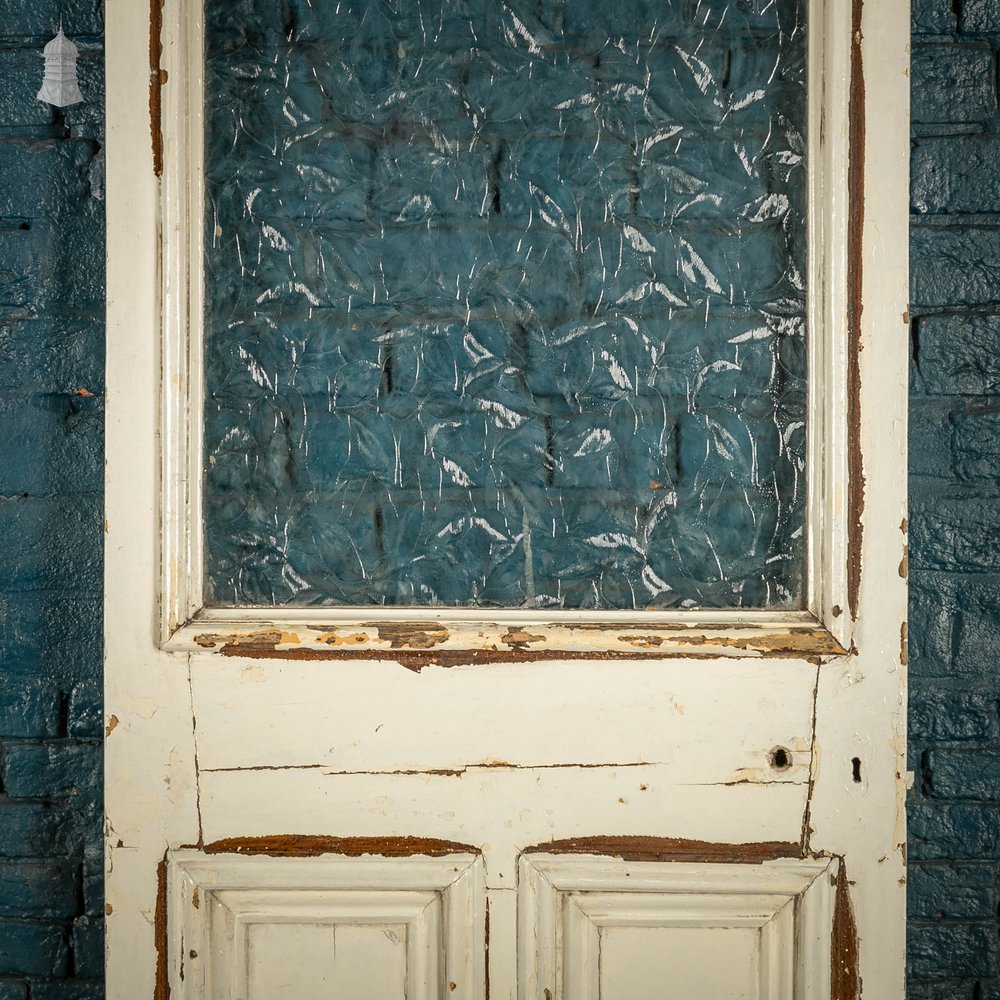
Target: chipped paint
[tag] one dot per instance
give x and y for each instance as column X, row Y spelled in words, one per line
column 903, row 651
column 111, row 726
column 257, row 639
column 898, row 745
column 306, row 846
column 844, row 975
column 642, row 848
column 845, row 978
column 855, row 307
column 332, row 637
column 416, row 645
column 417, row 662
column 642, row 640
column 157, row 79
column 161, row 988
column 411, row 635
column 518, row 638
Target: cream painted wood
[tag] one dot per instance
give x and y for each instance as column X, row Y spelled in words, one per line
column 259, row 928
column 594, row 928
column 820, row 628
column 364, row 716
column 210, row 739
column 501, row 810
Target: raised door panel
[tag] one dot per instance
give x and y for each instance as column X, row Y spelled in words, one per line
column 257, row 928
column 596, row 928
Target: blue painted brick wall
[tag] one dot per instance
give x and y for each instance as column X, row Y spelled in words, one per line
column 955, row 505
column 51, row 464
column 51, row 348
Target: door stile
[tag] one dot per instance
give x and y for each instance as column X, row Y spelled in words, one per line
column 857, row 804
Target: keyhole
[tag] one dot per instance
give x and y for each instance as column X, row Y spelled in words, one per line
column 781, row 759
column 856, row 769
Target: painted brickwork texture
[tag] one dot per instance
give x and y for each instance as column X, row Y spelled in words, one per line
column 955, row 506
column 51, row 473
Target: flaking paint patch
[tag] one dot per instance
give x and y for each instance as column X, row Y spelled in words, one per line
column 411, row 635
column 650, row 641
column 262, row 639
column 903, row 651
column 111, row 726
column 334, row 638
column 518, row 638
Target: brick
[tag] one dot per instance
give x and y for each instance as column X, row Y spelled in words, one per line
column 51, row 769
column 932, row 17
column 51, row 444
column 953, row 892
column 933, row 604
column 954, row 267
column 955, row 533
column 976, row 442
column 955, row 175
column 28, row 708
column 38, row 888
column 21, row 268
column 980, row 16
column 85, row 717
column 946, row 989
column 953, row 831
column 44, row 179
column 70, row 989
column 977, row 628
column 952, row 83
column 965, row 774
column 51, row 634
column 93, row 887
column 937, row 715
column 28, row 948
column 88, row 948
column 31, row 829
column 961, row 950
column 51, row 543
column 930, row 436
column 52, row 355
column 958, row 355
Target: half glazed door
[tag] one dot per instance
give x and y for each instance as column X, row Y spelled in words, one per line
column 506, row 539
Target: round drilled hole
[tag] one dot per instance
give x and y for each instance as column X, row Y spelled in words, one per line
column 781, row 758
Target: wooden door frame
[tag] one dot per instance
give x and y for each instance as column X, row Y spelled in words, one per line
column 822, row 628
column 857, row 405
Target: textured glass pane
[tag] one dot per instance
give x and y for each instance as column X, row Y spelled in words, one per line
column 505, row 303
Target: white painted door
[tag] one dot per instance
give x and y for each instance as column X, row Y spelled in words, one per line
column 375, row 804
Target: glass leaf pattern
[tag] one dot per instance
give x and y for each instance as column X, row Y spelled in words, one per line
column 505, row 303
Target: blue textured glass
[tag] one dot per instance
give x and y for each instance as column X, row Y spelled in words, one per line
column 505, row 303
